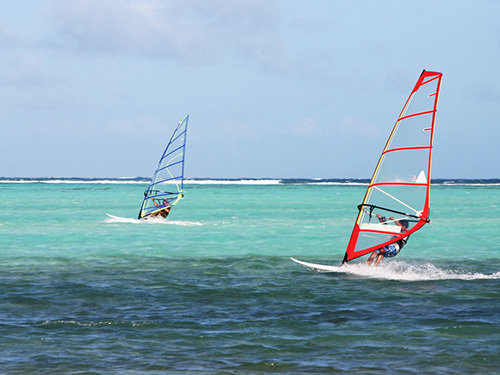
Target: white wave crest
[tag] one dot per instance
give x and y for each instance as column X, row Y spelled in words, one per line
column 233, row 182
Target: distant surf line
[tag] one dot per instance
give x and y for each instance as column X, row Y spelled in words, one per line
column 239, row 181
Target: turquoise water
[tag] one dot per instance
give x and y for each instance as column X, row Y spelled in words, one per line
column 212, row 290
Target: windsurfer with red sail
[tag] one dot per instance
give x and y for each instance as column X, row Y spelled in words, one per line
column 392, row 249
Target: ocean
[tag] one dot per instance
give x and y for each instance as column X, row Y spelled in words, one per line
column 212, row 290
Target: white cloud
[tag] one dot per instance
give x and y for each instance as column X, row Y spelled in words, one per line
column 192, row 32
column 131, row 27
column 187, row 31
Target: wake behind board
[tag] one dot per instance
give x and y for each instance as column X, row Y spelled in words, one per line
column 320, row 267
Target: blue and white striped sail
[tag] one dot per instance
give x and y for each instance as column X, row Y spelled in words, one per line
column 167, row 184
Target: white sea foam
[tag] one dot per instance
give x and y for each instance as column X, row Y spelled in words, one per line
column 183, row 223
column 234, row 182
column 418, row 272
column 469, row 183
column 336, row 183
column 404, row 271
column 116, row 219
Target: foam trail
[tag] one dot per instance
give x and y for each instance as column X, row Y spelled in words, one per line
column 183, row 223
column 404, row 271
column 421, row 272
column 116, row 219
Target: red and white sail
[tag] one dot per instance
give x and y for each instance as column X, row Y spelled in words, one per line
column 400, row 185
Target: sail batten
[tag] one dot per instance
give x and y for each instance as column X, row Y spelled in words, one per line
column 400, row 184
column 406, row 149
column 170, row 165
column 416, row 114
column 169, row 172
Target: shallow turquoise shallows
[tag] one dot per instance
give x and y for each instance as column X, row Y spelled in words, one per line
column 212, row 289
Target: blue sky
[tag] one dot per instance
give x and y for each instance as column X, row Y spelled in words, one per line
column 278, row 89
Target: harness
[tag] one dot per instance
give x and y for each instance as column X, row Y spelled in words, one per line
column 402, row 242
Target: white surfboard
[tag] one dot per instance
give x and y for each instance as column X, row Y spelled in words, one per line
column 118, row 219
column 320, row 267
column 114, row 217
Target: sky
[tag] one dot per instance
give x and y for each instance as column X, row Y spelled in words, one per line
column 273, row 88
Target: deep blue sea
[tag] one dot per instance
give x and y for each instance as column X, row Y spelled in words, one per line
column 212, row 289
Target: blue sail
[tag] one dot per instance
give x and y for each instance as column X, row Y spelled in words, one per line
column 167, row 184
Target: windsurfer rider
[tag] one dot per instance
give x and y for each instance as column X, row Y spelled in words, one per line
column 162, row 213
column 393, row 249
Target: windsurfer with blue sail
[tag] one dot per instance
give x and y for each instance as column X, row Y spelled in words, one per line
column 169, row 173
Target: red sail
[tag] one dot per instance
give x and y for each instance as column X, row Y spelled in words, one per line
column 399, row 188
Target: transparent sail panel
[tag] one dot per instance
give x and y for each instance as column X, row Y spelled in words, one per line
column 367, row 239
column 412, row 132
column 402, row 166
column 408, row 200
column 424, row 99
